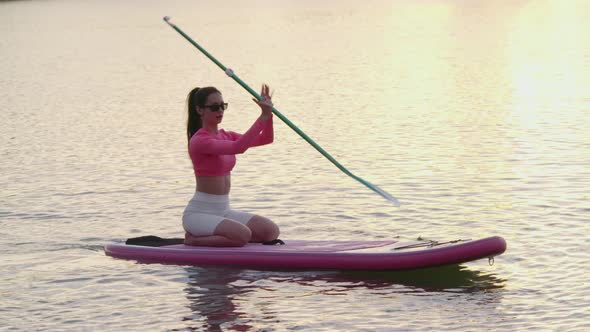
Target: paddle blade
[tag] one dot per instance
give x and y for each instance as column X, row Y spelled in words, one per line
column 385, row 194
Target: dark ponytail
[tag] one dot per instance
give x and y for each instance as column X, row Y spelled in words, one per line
column 197, row 97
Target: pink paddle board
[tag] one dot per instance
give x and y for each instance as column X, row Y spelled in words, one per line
column 319, row 255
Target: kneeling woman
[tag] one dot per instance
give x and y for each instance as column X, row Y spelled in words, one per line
column 208, row 219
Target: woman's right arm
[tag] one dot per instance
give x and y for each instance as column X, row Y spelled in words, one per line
column 205, row 143
column 252, row 137
column 266, row 136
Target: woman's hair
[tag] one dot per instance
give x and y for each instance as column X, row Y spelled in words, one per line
column 197, row 97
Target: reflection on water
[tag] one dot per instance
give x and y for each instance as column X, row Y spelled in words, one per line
column 218, row 297
column 211, row 295
column 453, row 278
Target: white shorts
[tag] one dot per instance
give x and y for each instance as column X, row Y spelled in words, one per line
column 205, row 211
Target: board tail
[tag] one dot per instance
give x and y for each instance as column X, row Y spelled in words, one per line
column 153, row 241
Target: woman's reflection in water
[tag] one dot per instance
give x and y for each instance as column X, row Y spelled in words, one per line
column 215, row 293
column 211, row 293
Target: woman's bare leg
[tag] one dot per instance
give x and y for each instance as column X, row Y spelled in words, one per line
column 228, row 233
column 263, row 229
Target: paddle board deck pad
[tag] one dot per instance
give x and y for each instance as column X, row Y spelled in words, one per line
column 312, row 255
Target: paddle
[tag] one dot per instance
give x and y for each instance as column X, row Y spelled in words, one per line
column 231, row 74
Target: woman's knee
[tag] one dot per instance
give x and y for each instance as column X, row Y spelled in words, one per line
column 234, row 231
column 263, row 229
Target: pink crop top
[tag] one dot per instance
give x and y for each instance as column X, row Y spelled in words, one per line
column 214, row 154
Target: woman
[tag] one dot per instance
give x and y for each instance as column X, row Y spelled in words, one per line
column 208, row 219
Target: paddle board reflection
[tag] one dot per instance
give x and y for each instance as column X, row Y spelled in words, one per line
column 224, row 299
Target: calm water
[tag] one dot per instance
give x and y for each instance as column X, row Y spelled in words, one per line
column 473, row 113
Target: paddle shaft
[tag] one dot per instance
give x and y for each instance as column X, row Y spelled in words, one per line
column 231, row 74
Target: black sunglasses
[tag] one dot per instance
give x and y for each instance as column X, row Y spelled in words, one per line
column 216, row 107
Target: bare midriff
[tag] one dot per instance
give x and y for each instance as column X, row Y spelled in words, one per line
column 214, row 185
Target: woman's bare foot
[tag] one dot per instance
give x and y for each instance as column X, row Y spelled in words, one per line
column 189, row 239
column 213, row 241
